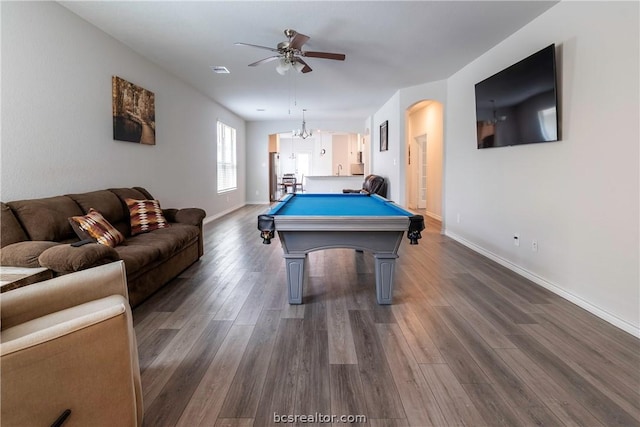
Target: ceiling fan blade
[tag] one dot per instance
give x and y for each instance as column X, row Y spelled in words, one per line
column 298, row 40
column 325, row 55
column 306, row 68
column 255, row 45
column 264, row 61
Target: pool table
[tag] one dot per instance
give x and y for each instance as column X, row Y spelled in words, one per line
column 365, row 222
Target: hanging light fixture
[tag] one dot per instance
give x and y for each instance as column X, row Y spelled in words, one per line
column 303, row 133
column 288, row 62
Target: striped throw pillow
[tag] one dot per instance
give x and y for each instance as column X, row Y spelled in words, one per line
column 146, row 215
column 98, row 228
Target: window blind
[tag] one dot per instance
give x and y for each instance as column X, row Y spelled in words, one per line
column 226, row 163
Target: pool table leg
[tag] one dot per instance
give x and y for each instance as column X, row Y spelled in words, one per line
column 295, row 276
column 385, row 267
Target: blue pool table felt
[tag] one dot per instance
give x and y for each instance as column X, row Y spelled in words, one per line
column 337, row 205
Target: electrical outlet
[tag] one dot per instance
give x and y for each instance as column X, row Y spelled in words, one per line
column 534, row 246
column 516, row 239
column 458, row 218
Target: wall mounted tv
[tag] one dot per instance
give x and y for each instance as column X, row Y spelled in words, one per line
column 519, row 105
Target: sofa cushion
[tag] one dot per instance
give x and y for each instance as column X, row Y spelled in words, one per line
column 46, row 219
column 145, row 215
column 137, row 255
column 11, row 231
column 128, row 193
column 167, row 240
column 98, row 228
column 104, row 201
column 24, row 254
column 147, row 195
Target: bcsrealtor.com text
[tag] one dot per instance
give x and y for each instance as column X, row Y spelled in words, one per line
column 318, row 418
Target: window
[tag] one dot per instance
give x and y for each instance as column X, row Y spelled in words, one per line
column 227, row 167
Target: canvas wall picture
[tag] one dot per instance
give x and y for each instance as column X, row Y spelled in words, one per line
column 134, row 116
column 384, row 136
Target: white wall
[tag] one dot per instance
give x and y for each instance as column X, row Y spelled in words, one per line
column 340, row 155
column 57, row 133
column 257, row 172
column 579, row 198
column 389, row 163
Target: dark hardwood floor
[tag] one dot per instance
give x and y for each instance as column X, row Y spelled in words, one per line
column 466, row 342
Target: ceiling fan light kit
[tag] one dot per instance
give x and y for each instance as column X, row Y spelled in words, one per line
column 290, row 53
column 285, row 65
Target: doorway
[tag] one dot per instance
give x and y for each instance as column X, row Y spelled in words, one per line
column 425, row 154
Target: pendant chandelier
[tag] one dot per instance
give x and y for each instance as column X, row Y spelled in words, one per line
column 303, row 133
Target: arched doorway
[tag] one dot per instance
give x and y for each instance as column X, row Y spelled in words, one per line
column 425, row 151
column 324, row 154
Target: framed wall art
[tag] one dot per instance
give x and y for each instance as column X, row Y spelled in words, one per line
column 384, row 136
column 134, row 115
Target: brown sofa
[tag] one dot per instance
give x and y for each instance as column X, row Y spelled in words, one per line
column 37, row 233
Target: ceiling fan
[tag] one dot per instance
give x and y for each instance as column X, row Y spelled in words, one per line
column 290, row 53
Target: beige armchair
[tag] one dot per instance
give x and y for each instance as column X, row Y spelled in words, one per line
column 69, row 343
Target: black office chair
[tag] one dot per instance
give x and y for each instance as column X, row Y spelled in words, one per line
column 373, row 184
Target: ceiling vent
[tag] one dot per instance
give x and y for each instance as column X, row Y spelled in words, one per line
column 219, row 69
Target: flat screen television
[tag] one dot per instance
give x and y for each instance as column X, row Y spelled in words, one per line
column 519, row 105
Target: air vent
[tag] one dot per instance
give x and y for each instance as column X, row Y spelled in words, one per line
column 219, row 69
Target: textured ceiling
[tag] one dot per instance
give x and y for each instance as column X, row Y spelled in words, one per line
column 389, row 45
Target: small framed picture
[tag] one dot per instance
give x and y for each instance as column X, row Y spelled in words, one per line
column 384, row 136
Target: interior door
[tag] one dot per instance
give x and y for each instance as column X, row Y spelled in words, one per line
column 420, row 145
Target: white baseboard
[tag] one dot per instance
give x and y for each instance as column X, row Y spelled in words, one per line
column 221, row 214
column 434, row 216
column 604, row 315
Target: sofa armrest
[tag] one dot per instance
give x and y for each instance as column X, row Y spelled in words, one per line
column 170, row 214
column 57, row 294
column 24, row 254
column 65, row 259
column 192, row 216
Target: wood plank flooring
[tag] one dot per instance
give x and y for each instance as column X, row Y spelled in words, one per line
column 466, row 342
